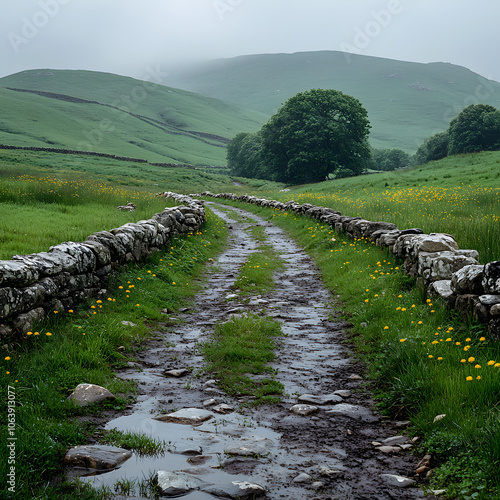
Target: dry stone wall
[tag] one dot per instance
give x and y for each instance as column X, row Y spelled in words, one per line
column 446, row 271
column 69, row 273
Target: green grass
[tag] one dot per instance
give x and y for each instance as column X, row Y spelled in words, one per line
column 457, row 195
column 240, row 348
column 86, row 345
column 34, row 120
column 141, row 444
column 256, row 274
column 48, row 198
column 418, row 355
column 402, row 116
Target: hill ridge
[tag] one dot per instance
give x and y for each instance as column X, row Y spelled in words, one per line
column 407, row 102
column 130, row 118
column 146, row 119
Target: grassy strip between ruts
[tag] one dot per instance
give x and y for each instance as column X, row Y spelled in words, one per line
column 256, row 275
column 424, row 361
column 240, row 348
column 85, row 345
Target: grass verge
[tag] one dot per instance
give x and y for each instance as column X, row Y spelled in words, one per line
column 238, row 351
column 44, row 366
column 256, row 275
column 423, row 360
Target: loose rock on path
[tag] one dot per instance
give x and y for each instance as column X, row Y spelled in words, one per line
column 323, row 441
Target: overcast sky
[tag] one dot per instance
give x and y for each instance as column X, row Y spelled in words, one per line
column 129, row 37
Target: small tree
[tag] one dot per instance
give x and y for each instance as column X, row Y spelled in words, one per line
column 314, row 134
column 434, row 148
column 476, row 128
column 390, row 159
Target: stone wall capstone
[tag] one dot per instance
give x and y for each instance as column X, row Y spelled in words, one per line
column 446, row 271
column 33, row 285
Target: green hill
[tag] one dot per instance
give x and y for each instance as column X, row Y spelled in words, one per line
column 107, row 113
column 407, row 102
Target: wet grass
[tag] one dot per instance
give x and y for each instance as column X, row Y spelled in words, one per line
column 243, row 347
column 423, row 360
column 141, row 444
column 85, row 346
column 256, row 274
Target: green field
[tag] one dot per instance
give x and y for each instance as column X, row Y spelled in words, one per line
column 458, row 195
column 48, row 198
column 406, row 102
column 170, row 125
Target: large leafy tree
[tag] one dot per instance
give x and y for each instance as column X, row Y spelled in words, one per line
column 476, row 128
column 313, row 134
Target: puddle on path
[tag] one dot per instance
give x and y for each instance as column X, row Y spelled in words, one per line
column 311, row 360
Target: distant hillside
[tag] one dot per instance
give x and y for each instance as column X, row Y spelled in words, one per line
column 407, row 102
column 118, row 115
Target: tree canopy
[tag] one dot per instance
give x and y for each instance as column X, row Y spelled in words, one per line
column 314, row 134
column 389, row 159
column 476, row 128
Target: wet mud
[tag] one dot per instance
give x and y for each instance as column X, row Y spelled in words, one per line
column 332, row 448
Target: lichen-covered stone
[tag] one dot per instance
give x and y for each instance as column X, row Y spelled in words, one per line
column 83, row 255
column 442, row 289
column 14, row 273
column 11, row 301
column 86, row 394
column 444, row 264
column 24, row 322
column 491, row 277
column 494, row 328
column 469, row 279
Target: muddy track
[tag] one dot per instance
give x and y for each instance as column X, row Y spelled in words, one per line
column 333, row 448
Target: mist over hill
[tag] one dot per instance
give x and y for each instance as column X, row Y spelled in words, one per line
column 406, row 102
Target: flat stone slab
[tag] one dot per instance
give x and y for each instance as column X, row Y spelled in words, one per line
column 174, row 484
column 96, row 457
column 303, row 409
column 251, row 447
column 176, row 373
column 87, row 394
column 352, row 411
column 236, row 490
column 223, row 409
column 395, row 480
column 302, row 478
column 395, row 440
column 343, row 393
column 187, row 416
column 319, row 400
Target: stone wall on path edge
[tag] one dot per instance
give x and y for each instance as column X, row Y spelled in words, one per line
column 33, row 285
column 445, row 271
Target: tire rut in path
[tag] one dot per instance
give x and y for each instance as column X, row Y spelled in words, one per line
column 333, row 449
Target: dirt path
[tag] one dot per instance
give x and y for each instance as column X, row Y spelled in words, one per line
column 329, row 450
